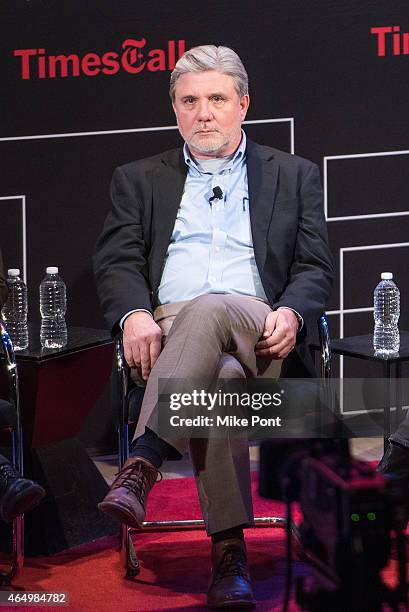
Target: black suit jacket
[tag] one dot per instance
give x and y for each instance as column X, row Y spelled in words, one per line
column 287, row 223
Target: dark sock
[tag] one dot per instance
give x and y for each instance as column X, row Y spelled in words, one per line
column 226, row 534
column 152, row 448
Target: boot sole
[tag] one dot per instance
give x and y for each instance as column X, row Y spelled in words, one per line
column 24, row 501
column 243, row 605
column 120, row 514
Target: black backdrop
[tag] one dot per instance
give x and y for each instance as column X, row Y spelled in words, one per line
column 315, row 72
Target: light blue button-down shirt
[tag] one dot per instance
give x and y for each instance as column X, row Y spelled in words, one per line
column 211, row 247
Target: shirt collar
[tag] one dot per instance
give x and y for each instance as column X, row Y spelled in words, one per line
column 237, row 159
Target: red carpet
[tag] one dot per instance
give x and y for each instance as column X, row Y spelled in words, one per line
column 177, row 498
column 175, row 566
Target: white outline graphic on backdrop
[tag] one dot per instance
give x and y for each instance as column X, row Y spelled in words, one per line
column 23, row 228
column 356, row 156
column 367, row 247
column 290, row 120
column 342, row 311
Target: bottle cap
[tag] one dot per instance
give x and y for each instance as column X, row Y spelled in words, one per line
column 13, row 272
column 51, row 270
column 386, row 276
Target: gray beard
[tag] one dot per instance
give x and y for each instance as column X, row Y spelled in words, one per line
column 213, row 146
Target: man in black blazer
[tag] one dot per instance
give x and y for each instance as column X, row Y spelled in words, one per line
column 214, row 261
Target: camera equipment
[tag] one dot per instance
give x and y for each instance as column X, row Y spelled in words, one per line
column 349, row 511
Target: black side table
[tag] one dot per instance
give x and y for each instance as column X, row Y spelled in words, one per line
column 58, row 389
column 361, row 347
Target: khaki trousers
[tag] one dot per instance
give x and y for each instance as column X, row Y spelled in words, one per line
column 212, row 336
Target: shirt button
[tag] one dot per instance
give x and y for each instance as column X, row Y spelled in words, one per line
column 213, row 279
column 217, row 249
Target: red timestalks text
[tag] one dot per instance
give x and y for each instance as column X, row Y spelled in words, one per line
column 133, row 59
column 391, row 41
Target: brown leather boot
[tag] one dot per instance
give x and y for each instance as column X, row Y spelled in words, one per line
column 230, row 585
column 126, row 499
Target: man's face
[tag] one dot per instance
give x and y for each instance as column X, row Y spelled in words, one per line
column 209, row 113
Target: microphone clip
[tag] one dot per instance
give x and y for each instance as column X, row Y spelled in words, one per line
column 217, row 194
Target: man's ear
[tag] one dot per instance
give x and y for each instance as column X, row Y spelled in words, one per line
column 244, row 105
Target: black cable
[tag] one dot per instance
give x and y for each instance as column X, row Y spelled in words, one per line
column 289, row 568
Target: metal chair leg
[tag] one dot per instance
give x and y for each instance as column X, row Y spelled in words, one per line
column 129, row 557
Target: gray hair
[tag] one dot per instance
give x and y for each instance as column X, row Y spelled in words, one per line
column 210, row 57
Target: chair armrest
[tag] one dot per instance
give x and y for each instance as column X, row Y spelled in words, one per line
column 14, row 398
column 325, row 346
column 122, row 376
column 11, row 368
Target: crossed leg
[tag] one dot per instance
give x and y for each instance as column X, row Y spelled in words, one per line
column 213, row 336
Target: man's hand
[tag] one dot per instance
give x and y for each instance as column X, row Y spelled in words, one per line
column 280, row 331
column 142, row 342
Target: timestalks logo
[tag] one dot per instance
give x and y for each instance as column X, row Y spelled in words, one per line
column 391, row 41
column 133, row 59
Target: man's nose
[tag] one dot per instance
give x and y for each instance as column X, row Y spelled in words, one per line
column 204, row 111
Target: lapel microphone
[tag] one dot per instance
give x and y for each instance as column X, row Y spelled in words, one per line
column 217, row 194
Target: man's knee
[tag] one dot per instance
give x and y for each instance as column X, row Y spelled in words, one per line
column 230, row 367
column 209, row 309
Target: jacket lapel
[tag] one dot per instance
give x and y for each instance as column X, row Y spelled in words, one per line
column 168, row 182
column 262, row 176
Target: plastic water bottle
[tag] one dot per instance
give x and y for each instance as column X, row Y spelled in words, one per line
column 14, row 311
column 53, row 304
column 386, row 314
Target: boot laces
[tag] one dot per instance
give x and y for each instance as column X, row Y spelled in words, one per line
column 7, row 474
column 136, row 478
column 233, row 563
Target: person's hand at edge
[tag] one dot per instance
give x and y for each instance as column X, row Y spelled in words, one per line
column 279, row 336
column 142, row 342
